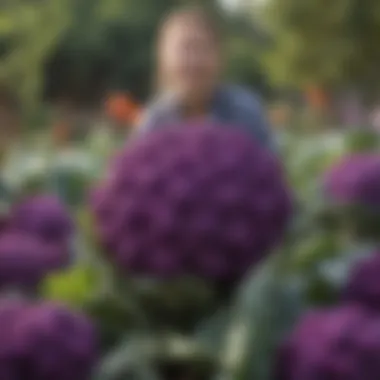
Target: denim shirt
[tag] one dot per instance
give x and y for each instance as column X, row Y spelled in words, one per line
column 232, row 106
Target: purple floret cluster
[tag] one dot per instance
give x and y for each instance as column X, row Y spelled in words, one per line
column 34, row 241
column 336, row 344
column 202, row 201
column 43, row 216
column 342, row 342
column 45, row 341
column 363, row 286
column 24, row 260
column 355, row 180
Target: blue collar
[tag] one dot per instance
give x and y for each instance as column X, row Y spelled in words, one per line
column 221, row 107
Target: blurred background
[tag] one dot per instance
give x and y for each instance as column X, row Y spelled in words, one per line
column 66, row 65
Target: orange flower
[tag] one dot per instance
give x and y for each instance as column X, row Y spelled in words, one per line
column 280, row 115
column 122, row 108
column 61, row 133
column 317, row 97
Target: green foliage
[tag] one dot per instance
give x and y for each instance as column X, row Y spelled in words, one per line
column 267, row 307
column 324, row 43
column 362, row 141
column 136, row 354
column 244, row 64
column 72, row 287
column 28, row 33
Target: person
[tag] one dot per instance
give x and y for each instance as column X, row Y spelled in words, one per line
column 188, row 79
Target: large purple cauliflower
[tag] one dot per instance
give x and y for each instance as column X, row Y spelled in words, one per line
column 45, row 341
column 363, row 285
column 47, row 219
column 197, row 200
column 24, row 260
column 336, row 344
column 355, row 180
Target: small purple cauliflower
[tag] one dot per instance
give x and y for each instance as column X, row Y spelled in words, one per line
column 43, row 216
column 45, row 341
column 24, row 260
column 203, row 201
column 337, row 344
column 363, row 286
column 355, row 180
column 46, row 218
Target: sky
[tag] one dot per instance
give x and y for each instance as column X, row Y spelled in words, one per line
column 232, row 4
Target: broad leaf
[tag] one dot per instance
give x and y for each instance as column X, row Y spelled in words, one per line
column 268, row 305
column 145, row 355
column 73, row 287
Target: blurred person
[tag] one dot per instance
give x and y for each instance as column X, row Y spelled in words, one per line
column 188, row 79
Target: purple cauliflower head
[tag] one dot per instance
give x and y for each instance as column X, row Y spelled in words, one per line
column 336, row 344
column 45, row 341
column 47, row 219
column 355, row 180
column 24, row 260
column 363, row 286
column 43, row 216
column 202, row 201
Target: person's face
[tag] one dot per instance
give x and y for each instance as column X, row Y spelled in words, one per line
column 189, row 58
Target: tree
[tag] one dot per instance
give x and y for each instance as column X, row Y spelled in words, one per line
column 28, row 32
column 332, row 44
column 245, row 44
